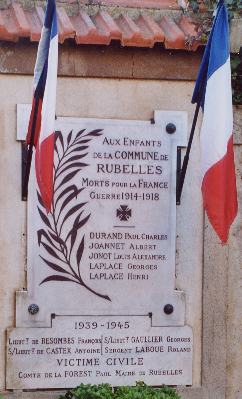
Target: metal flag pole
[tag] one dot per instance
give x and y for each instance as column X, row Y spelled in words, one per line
column 186, row 158
column 30, row 152
column 202, row 75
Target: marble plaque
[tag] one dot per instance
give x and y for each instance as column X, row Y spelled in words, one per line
column 95, row 349
column 108, row 244
column 101, row 263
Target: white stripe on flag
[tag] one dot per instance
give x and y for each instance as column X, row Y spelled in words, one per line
column 218, row 117
column 49, row 100
column 41, row 54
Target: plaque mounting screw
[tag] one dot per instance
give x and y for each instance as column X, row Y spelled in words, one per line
column 168, row 308
column 170, row 128
column 33, row 308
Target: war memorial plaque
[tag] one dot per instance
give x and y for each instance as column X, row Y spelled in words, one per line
column 101, row 304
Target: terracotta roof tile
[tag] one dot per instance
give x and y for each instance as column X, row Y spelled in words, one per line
column 9, row 29
column 107, row 22
column 131, row 33
column 155, row 30
column 41, row 15
column 4, row 33
column 174, row 37
column 65, row 28
column 21, row 20
column 158, row 4
column 104, row 29
column 86, row 31
column 35, row 23
column 190, row 32
column 143, row 30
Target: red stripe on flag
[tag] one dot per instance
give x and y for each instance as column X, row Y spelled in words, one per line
column 44, row 161
column 220, row 194
column 35, row 113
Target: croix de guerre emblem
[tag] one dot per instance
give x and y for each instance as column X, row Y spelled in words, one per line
column 124, row 213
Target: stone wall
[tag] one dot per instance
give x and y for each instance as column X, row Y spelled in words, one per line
column 215, row 315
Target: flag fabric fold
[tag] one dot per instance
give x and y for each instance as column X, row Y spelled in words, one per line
column 42, row 118
column 213, row 91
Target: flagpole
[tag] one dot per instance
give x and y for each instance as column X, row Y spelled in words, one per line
column 30, row 152
column 186, row 158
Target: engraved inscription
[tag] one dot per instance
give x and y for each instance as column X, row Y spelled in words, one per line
column 103, row 262
column 118, row 350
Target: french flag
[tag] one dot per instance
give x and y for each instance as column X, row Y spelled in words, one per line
column 213, row 90
column 42, row 118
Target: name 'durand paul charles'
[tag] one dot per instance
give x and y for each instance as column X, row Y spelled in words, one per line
column 107, row 254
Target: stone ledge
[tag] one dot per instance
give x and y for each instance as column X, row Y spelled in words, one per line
column 236, row 35
column 104, row 61
column 238, row 124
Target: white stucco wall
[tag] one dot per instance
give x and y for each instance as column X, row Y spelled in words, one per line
column 104, row 98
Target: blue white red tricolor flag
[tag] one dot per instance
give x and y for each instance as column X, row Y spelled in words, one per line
column 42, row 118
column 213, row 89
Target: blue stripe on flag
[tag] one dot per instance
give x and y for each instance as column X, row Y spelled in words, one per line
column 50, row 25
column 216, row 52
column 40, row 88
column 54, row 26
column 220, row 42
column 50, row 18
